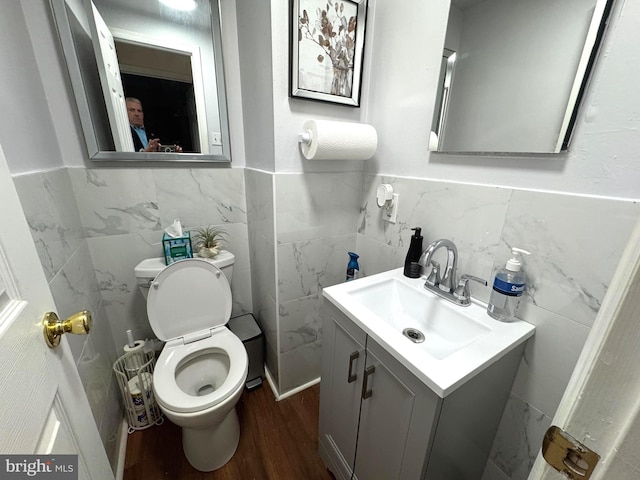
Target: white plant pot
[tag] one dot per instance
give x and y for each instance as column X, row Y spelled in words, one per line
column 210, row 252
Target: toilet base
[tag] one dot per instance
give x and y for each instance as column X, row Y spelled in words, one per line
column 209, row 449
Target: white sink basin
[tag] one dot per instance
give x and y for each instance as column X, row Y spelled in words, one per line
column 458, row 341
column 446, row 327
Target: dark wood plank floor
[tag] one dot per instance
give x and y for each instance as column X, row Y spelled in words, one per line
column 278, row 441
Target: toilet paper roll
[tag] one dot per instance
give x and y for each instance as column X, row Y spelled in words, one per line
column 331, row 140
column 137, row 391
column 133, row 362
column 137, row 345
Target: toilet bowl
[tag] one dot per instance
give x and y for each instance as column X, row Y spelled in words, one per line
column 200, row 373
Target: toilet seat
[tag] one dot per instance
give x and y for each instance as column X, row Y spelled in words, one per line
column 188, row 305
column 187, row 299
column 171, row 396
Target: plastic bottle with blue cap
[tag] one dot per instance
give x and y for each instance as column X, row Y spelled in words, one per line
column 508, row 287
column 352, row 266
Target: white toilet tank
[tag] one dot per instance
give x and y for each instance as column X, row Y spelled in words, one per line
column 147, row 269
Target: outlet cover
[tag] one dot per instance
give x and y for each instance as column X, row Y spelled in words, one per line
column 390, row 212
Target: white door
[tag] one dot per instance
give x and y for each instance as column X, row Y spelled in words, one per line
column 105, row 49
column 43, row 407
column 601, row 406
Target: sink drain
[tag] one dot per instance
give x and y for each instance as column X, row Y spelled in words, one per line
column 416, row 336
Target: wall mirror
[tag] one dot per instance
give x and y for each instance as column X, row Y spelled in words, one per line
column 513, row 74
column 170, row 59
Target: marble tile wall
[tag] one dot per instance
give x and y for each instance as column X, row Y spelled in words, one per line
column 315, row 216
column 51, row 210
column 291, row 234
column 124, row 212
column 301, row 227
column 471, row 216
column 261, row 226
column 576, row 244
column 92, row 226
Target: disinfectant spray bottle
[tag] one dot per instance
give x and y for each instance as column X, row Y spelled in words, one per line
column 352, row 267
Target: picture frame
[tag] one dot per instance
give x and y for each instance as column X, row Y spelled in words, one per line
column 326, row 50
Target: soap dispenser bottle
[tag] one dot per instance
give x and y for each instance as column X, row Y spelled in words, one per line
column 412, row 268
column 508, row 286
column 352, row 267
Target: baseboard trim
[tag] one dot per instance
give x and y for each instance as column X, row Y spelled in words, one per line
column 277, row 394
column 123, row 434
column 272, row 384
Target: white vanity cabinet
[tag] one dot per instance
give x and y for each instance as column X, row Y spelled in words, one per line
column 343, row 358
column 374, row 414
column 379, row 421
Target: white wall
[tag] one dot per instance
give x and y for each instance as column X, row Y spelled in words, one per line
column 454, row 29
column 291, row 113
column 232, row 78
column 399, row 87
column 404, row 77
column 603, row 158
column 27, row 130
column 255, row 79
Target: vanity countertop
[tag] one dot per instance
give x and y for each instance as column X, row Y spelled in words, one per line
column 460, row 341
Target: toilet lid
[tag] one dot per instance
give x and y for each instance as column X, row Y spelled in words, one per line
column 188, row 296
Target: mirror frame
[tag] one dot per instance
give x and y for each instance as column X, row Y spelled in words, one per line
column 593, row 41
column 63, row 26
column 442, row 99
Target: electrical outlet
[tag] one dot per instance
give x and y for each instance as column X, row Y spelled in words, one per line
column 390, row 212
column 216, row 138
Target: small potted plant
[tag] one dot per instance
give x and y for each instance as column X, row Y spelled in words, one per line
column 208, row 241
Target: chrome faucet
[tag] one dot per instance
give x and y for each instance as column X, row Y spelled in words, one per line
column 447, row 287
column 448, row 282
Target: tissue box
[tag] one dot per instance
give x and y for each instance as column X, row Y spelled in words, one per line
column 176, row 248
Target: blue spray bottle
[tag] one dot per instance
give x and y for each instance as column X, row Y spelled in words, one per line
column 352, row 266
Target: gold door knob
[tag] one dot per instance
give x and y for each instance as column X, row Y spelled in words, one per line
column 53, row 328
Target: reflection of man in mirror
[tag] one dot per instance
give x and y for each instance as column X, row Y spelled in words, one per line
column 141, row 142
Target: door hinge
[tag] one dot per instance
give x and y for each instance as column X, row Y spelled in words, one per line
column 567, row 455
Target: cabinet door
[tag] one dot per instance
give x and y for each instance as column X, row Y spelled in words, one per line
column 397, row 420
column 342, row 366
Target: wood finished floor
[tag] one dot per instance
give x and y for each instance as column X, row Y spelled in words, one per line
column 278, row 441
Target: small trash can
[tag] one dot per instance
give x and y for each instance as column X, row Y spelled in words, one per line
column 248, row 331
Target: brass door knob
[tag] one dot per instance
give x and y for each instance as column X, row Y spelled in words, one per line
column 53, row 328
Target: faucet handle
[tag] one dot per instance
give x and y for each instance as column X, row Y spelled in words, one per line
column 462, row 290
column 433, row 278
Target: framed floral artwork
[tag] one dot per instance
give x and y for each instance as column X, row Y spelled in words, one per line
column 327, row 46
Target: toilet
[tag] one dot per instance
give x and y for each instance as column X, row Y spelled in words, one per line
column 201, row 371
